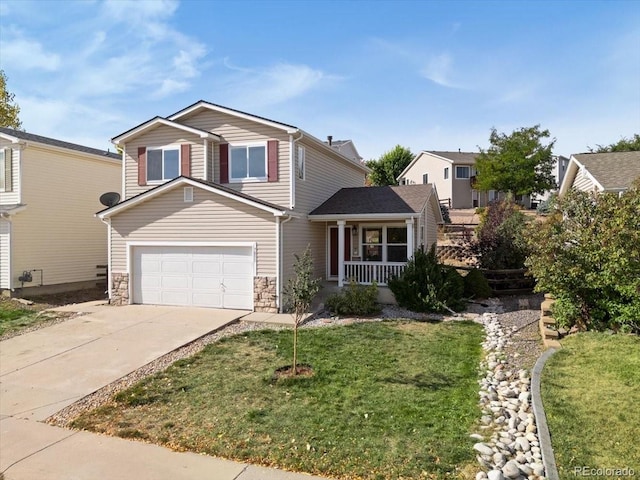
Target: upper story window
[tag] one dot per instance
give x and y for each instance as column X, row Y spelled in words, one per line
column 6, row 171
column 463, row 172
column 446, row 173
column 163, row 163
column 300, row 162
column 425, row 178
column 248, row 163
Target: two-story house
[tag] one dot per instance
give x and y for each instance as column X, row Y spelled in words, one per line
column 50, row 239
column 216, row 203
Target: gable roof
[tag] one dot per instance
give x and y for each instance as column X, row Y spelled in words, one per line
column 155, row 122
column 612, row 171
column 16, row 135
column 216, row 188
column 463, row 158
column 341, row 145
column 401, row 201
column 202, row 104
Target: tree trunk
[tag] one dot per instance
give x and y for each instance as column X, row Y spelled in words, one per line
column 295, row 349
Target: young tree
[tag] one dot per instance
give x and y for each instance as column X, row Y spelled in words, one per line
column 623, row 145
column 299, row 293
column 386, row 169
column 518, row 163
column 9, row 110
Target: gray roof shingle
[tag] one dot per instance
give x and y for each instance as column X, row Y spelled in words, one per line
column 30, row 137
column 457, row 157
column 404, row 199
column 614, row 170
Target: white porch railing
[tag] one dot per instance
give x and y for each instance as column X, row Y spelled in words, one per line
column 366, row 273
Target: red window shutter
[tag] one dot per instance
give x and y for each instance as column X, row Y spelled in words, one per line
column 272, row 160
column 142, row 165
column 185, row 160
column 224, row 163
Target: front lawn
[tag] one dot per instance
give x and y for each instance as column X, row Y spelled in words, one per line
column 591, row 395
column 14, row 317
column 388, row 400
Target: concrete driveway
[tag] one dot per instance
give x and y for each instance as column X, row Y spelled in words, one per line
column 44, row 371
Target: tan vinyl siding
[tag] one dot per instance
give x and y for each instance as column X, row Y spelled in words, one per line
column 461, row 189
column 235, row 130
column 160, row 137
column 209, row 218
column 431, row 222
column 5, row 251
column 298, row 233
column 58, row 231
column 12, row 197
column 583, row 182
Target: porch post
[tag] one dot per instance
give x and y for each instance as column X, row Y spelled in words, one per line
column 341, row 252
column 410, row 248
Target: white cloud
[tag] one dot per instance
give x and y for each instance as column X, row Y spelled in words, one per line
column 439, row 70
column 274, row 84
column 139, row 11
column 25, row 54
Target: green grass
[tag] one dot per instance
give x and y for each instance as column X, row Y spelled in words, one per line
column 591, row 396
column 388, row 400
column 13, row 318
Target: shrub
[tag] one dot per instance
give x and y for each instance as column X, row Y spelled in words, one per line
column 476, row 285
column 587, row 254
column 446, row 216
column 428, row 286
column 355, row 299
column 500, row 240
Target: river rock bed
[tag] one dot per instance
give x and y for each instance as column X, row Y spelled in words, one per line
column 508, row 446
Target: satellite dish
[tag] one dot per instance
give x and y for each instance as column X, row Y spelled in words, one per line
column 109, row 199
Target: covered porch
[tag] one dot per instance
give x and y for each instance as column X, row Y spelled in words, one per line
column 371, row 232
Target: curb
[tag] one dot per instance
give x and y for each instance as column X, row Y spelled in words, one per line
column 548, row 459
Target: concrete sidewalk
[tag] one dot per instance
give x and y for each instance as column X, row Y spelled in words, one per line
column 43, row 371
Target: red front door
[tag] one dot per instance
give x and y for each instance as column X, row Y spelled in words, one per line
column 333, row 249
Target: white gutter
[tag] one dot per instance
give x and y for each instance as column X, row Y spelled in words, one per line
column 293, row 178
column 206, row 160
column 280, row 264
column 123, row 167
column 107, row 222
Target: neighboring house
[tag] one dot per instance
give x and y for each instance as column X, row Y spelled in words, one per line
column 453, row 174
column 345, row 147
column 216, row 206
column 560, row 165
column 601, row 172
column 50, row 239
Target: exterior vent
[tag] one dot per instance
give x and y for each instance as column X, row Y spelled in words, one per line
column 188, row 194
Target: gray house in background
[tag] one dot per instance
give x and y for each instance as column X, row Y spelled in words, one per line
column 453, row 175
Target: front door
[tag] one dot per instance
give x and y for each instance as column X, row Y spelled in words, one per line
column 333, row 249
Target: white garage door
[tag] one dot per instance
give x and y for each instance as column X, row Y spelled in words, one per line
column 220, row 277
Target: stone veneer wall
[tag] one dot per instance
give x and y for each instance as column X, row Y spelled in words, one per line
column 120, row 289
column 264, row 294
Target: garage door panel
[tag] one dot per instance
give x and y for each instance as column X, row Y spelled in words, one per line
column 220, row 277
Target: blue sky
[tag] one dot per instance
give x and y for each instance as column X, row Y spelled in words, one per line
column 427, row 75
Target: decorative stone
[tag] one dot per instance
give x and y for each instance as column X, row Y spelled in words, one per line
column 481, row 475
column 495, row 475
column 511, row 470
column 483, row 449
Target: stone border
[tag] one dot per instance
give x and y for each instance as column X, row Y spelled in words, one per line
column 544, row 437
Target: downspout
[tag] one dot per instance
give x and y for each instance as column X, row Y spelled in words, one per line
column 280, row 265
column 109, row 282
column 293, row 178
column 206, row 160
column 124, row 171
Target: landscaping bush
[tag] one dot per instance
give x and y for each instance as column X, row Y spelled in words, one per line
column 587, row 254
column 476, row 285
column 428, row 286
column 500, row 238
column 355, row 299
column 446, row 216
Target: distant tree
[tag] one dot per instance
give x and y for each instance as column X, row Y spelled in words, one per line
column 386, row 169
column 518, row 163
column 9, row 110
column 623, row 145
